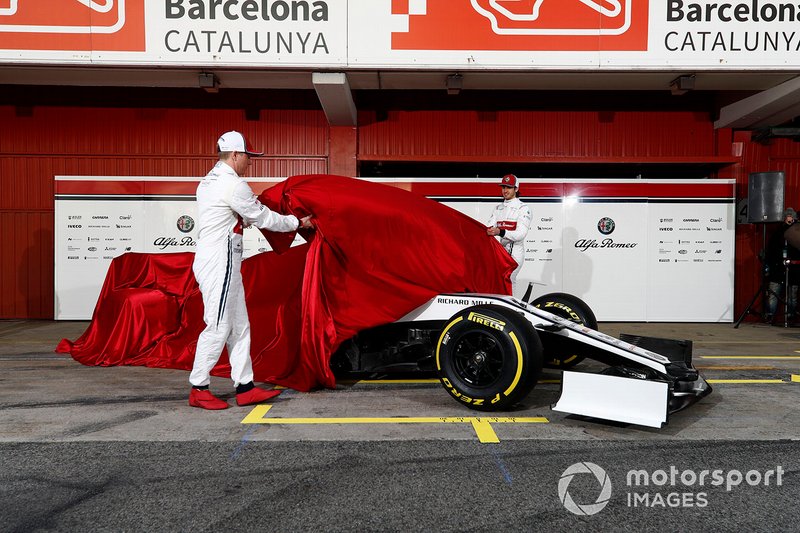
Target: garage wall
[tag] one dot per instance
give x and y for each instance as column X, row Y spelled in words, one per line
column 531, row 136
column 41, row 142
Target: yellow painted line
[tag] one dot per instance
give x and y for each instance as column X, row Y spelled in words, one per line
column 745, row 342
column 482, row 425
column 795, row 378
column 395, row 381
column 776, row 357
column 257, row 414
column 484, row 431
column 412, row 381
column 750, row 381
column 12, row 342
column 417, row 381
column 742, row 367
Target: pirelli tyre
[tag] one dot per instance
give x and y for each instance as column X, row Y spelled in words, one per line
column 488, row 357
column 560, row 352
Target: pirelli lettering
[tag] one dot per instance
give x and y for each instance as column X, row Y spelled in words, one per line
column 463, row 397
column 487, row 321
column 568, row 310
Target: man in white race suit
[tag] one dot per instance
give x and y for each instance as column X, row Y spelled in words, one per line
column 225, row 205
column 510, row 222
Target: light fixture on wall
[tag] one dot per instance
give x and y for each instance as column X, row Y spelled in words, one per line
column 454, row 83
column 682, row 84
column 208, row 82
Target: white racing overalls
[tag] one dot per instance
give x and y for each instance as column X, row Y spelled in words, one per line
column 225, row 204
column 515, row 218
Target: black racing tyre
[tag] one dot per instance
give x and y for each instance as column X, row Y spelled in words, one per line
column 560, row 352
column 488, row 357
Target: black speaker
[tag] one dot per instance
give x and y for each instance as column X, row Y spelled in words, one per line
column 765, row 197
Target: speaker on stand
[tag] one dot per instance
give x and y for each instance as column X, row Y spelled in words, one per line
column 765, row 192
column 765, row 200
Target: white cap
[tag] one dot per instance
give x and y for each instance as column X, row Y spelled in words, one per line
column 233, row 141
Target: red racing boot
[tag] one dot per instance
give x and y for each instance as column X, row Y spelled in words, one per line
column 255, row 395
column 203, row 399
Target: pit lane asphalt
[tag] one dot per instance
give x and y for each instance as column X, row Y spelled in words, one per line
column 120, row 449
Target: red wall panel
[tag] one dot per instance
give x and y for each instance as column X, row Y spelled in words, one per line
column 119, row 142
column 535, row 135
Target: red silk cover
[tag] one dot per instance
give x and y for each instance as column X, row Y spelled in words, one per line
column 378, row 252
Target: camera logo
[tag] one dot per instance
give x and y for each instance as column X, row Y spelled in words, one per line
column 589, row 508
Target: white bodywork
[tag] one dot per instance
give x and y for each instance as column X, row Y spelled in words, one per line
column 637, row 401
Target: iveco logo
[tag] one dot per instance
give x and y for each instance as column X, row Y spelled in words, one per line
column 74, row 226
column 664, row 229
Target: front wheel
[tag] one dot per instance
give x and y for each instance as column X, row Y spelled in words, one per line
column 562, row 352
column 488, row 357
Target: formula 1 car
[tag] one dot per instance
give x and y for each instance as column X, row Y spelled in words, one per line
column 489, row 350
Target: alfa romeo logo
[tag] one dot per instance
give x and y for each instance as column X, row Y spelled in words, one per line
column 185, row 224
column 589, row 508
column 606, row 225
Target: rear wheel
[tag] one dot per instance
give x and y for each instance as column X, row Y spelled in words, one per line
column 559, row 351
column 488, row 357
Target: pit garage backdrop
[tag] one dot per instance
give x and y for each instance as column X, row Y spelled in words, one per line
column 649, row 250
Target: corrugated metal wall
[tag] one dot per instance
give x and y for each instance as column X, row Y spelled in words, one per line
column 535, row 135
column 119, row 142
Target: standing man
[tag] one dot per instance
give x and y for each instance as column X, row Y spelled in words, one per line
column 225, row 205
column 778, row 250
column 510, row 222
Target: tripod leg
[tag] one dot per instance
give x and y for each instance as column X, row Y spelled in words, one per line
column 786, row 294
column 759, row 292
